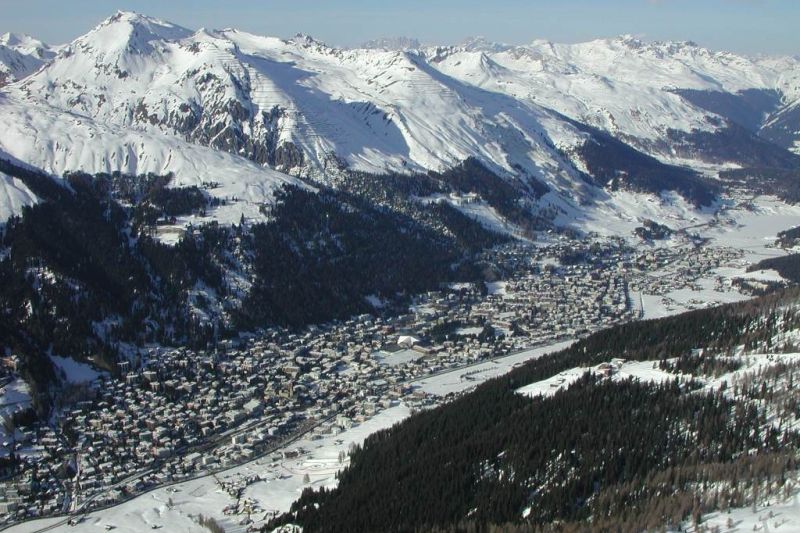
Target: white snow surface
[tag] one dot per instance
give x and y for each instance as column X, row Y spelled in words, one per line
column 645, row 371
column 14, row 195
column 75, row 371
column 59, row 142
column 776, row 516
column 622, row 85
column 21, row 55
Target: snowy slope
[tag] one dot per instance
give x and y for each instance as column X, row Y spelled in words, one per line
column 308, row 109
column 14, row 195
column 623, row 85
column 304, row 107
column 21, row 55
column 59, row 142
column 285, row 103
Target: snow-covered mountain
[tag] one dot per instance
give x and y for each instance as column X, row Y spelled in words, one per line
column 640, row 91
column 20, row 55
column 294, row 104
column 58, row 142
column 545, row 117
column 299, row 104
column 393, row 43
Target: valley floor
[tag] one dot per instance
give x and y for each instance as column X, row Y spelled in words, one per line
column 257, row 490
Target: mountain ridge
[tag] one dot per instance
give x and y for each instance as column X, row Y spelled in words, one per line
column 313, row 111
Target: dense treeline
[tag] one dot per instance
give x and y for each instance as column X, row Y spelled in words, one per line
column 507, row 197
column 650, row 230
column 37, row 181
column 612, row 163
column 323, row 253
column 511, row 198
column 699, row 364
column 788, row 266
column 732, row 143
column 779, row 181
column 81, row 272
column 401, row 194
column 620, row 453
column 789, row 237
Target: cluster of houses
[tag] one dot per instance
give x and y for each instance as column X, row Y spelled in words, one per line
column 659, row 271
column 179, row 413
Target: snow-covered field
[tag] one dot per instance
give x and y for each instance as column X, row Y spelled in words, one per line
column 752, row 230
column 649, row 372
column 646, row 371
column 14, row 395
column 779, row 516
column 75, row 371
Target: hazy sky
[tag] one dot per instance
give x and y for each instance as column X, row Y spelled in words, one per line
column 747, row 26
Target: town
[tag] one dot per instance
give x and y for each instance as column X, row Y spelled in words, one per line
column 176, row 414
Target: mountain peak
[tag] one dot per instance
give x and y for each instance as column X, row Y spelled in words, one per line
column 14, row 39
column 630, row 40
column 307, row 41
column 482, row 44
column 24, row 44
column 392, row 44
column 636, row 42
column 132, row 17
column 129, row 25
column 125, row 32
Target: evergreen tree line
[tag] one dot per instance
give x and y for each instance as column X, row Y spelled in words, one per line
column 788, row 266
column 611, row 162
column 509, row 197
column 767, row 180
column 83, row 272
column 612, row 452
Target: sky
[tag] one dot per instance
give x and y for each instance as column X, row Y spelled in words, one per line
column 743, row 26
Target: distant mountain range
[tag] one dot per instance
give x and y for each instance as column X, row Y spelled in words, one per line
column 137, row 94
column 393, row 43
column 20, row 55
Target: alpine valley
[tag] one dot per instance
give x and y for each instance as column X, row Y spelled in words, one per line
column 252, row 284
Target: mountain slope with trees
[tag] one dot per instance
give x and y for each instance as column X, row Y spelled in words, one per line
column 82, row 275
column 623, row 454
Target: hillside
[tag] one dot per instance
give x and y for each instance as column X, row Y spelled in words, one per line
column 21, row 55
column 531, row 114
column 590, row 453
column 83, row 277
